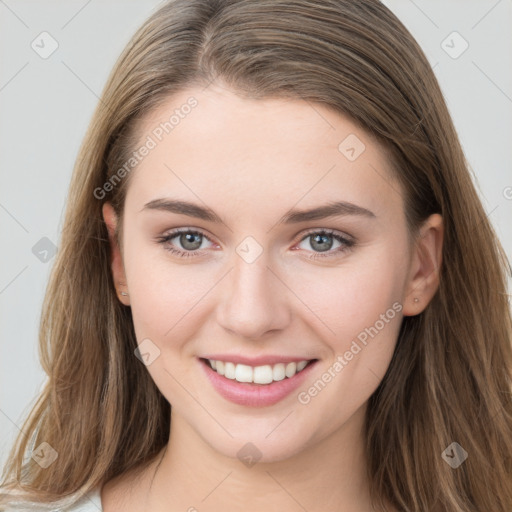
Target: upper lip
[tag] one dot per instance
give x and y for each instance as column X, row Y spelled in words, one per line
column 256, row 361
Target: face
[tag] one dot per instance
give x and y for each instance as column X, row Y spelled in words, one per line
column 257, row 281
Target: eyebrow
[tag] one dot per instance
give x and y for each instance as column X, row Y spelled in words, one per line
column 333, row 209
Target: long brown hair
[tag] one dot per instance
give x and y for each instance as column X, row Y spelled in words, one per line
column 450, row 376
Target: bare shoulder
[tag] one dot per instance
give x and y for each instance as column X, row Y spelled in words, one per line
column 128, row 491
column 125, row 492
column 113, row 492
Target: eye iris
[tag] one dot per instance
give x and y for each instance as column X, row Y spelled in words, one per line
column 186, row 238
column 321, row 239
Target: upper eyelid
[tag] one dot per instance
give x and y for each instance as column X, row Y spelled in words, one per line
column 176, row 231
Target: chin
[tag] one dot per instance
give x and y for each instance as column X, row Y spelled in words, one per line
column 258, row 448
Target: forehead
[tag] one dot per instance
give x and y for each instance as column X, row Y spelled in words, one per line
column 228, row 150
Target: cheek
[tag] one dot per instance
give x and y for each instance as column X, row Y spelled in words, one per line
column 165, row 298
column 351, row 297
column 166, row 301
column 360, row 302
column 163, row 292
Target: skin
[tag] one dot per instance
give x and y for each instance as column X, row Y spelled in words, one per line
column 251, row 162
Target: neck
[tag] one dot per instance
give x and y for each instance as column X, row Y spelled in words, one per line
column 327, row 475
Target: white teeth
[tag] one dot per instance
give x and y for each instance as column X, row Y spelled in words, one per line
column 278, row 372
column 229, row 370
column 258, row 374
column 243, row 373
column 301, row 365
column 291, row 369
column 263, row 374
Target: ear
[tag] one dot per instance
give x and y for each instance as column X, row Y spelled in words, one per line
column 423, row 279
column 116, row 263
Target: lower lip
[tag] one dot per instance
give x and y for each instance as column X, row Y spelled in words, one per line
column 255, row 395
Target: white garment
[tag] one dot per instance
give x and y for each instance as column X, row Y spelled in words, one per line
column 91, row 502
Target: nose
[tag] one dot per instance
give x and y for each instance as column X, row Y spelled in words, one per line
column 253, row 301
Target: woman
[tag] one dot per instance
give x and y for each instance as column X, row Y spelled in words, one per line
column 273, row 245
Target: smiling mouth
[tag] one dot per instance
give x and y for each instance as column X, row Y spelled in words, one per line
column 264, row 374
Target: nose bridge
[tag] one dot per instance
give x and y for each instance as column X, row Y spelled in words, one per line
column 254, row 300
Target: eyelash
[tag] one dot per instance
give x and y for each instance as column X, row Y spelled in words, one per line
column 347, row 243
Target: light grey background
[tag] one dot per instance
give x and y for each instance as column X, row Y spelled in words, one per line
column 46, row 105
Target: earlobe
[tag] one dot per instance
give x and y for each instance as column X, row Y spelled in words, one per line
column 423, row 279
column 116, row 260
